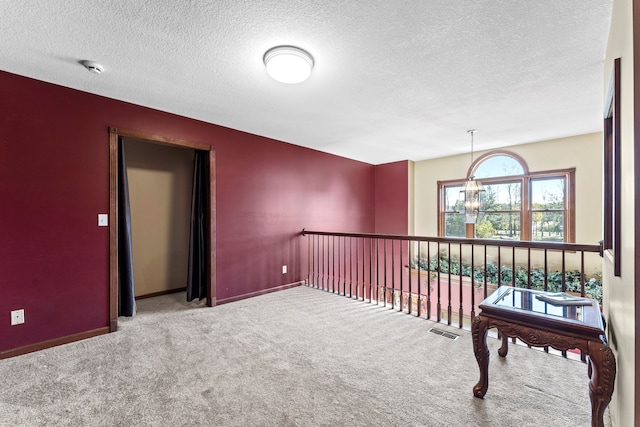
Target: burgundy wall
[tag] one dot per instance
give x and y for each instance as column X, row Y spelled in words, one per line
column 392, row 214
column 54, row 180
column 392, row 198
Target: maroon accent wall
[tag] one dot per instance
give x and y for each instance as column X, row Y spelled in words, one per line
column 54, row 180
column 392, row 214
column 392, row 198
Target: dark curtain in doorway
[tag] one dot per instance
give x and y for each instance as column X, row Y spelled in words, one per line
column 126, row 297
column 197, row 279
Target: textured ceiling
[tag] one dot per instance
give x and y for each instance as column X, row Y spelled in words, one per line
column 393, row 80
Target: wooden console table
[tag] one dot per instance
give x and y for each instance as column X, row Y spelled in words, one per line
column 520, row 313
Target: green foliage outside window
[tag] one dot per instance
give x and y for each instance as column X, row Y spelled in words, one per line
column 485, row 230
column 454, row 225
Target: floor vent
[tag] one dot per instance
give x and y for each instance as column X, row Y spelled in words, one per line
column 444, row 333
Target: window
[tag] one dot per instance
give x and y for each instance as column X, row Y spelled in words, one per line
column 516, row 204
column 548, row 197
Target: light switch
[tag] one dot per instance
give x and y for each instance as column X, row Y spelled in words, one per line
column 103, row 220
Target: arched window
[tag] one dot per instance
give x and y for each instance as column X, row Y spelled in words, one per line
column 517, row 204
column 499, row 164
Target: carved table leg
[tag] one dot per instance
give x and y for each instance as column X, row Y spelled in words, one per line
column 602, row 366
column 504, row 349
column 481, row 350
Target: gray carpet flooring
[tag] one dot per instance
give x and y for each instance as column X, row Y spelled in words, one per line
column 299, row 357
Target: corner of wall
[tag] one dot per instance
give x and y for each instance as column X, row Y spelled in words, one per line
column 411, row 226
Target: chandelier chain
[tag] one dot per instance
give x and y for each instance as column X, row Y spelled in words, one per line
column 472, row 131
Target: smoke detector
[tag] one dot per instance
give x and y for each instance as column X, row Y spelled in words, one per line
column 93, row 67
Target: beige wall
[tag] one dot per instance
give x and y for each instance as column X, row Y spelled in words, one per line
column 619, row 295
column 160, row 196
column 583, row 152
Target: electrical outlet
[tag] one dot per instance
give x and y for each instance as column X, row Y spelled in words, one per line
column 284, row 269
column 17, row 317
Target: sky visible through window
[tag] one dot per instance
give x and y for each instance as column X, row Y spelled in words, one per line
column 545, row 193
column 498, row 166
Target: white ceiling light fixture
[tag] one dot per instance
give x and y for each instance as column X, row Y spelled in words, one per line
column 93, row 67
column 288, row 64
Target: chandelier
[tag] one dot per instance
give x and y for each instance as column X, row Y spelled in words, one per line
column 471, row 193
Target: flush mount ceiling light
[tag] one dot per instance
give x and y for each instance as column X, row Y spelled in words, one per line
column 288, row 64
column 93, row 67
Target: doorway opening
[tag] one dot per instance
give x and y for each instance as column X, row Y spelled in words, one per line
column 114, row 135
